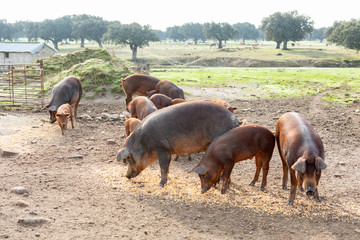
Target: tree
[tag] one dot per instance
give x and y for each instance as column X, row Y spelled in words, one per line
column 175, row 33
column 285, row 27
column 318, row 34
column 134, row 35
column 90, row 28
column 7, row 31
column 56, row 30
column 346, row 34
column 192, row 31
column 219, row 31
column 29, row 29
column 246, row 31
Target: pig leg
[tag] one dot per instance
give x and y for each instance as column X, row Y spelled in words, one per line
column 258, row 162
column 265, row 170
column 189, row 157
column 293, row 181
column 226, row 177
column 61, row 127
column 164, row 161
column 128, row 100
column 285, row 172
column 71, row 120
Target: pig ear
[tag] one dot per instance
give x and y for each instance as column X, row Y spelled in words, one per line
column 67, row 115
column 52, row 108
column 319, row 164
column 299, row 165
column 234, row 108
column 123, row 154
column 57, row 115
column 202, row 170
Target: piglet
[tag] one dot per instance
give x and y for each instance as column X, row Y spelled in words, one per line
column 62, row 115
column 238, row 144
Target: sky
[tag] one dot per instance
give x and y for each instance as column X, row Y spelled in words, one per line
column 160, row 14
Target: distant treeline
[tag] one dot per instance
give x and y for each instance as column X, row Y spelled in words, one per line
column 278, row 27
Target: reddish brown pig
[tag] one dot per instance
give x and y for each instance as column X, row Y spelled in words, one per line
column 139, row 84
column 160, row 100
column 169, row 89
column 69, row 90
column 63, row 113
column 177, row 100
column 225, row 104
column 182, row 128
column 130, row 125
column 302, row 153
column 236, row 145
column 140, row 107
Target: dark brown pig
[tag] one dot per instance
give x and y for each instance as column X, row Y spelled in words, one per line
column 131, row 124
column 302, row 153
column 169, row 89
column 160, row 100
column 69, row 90
column 225, row 104
column 236, row 145
column 140, row 107
column 182, row 128
column 62, row 114
column 139, row 84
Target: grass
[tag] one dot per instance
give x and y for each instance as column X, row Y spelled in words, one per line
column 273, row 82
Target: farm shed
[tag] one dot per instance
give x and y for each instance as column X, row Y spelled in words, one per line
column 24, row 53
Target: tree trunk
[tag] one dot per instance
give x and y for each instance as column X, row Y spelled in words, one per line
column 100, row 43
column 55, row 44
column 278, row 45
column 285, row 46
column 134, row 53
column 220, row 44
column 82, row 44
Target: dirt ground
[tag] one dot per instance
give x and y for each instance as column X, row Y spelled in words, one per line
column 77, row 189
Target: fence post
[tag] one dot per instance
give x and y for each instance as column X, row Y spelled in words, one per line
column 42, row 84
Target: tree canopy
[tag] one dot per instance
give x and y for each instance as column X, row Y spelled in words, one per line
column 219, row 31
column 246, row 31
column 346, row 34
column 285, row 27
column 134, row 35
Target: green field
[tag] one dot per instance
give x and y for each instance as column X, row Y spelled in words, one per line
column 292, row 74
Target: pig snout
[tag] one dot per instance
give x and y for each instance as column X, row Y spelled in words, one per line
column 131, row 173
column 205, row 188
column 310, row 191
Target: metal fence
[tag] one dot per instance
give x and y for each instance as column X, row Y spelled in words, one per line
column 21, row 84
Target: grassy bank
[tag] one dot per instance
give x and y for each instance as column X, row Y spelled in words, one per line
column 343, row 84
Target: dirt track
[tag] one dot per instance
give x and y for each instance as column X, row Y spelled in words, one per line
column 78, row 188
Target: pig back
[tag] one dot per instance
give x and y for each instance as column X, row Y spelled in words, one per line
column 67, row 91
column 296, row 136
column 184, row 128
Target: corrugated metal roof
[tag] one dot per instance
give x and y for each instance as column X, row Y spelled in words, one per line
column 23, row 47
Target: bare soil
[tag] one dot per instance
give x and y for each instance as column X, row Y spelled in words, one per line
column 79, row 190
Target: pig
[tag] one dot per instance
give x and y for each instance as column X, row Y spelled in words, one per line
column 62, row 114
column 177, row 101
column 225, row 104
column 302, row 153
column 69, row 90
column 139, row 84
column 183, row 128
column 160, row 100
column 131, row 124
column 238, row 144
column 140, row 107
column 169, row 89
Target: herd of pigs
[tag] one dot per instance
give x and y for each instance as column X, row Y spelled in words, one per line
column 161, row 123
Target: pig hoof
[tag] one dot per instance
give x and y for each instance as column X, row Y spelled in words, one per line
column 317, row 199
column 289, row 203
column 252, row 184
column 301, row 188
column 161, row 185
column 262, row 189
column 284, row 187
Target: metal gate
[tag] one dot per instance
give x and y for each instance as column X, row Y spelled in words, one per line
column 21, row 84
